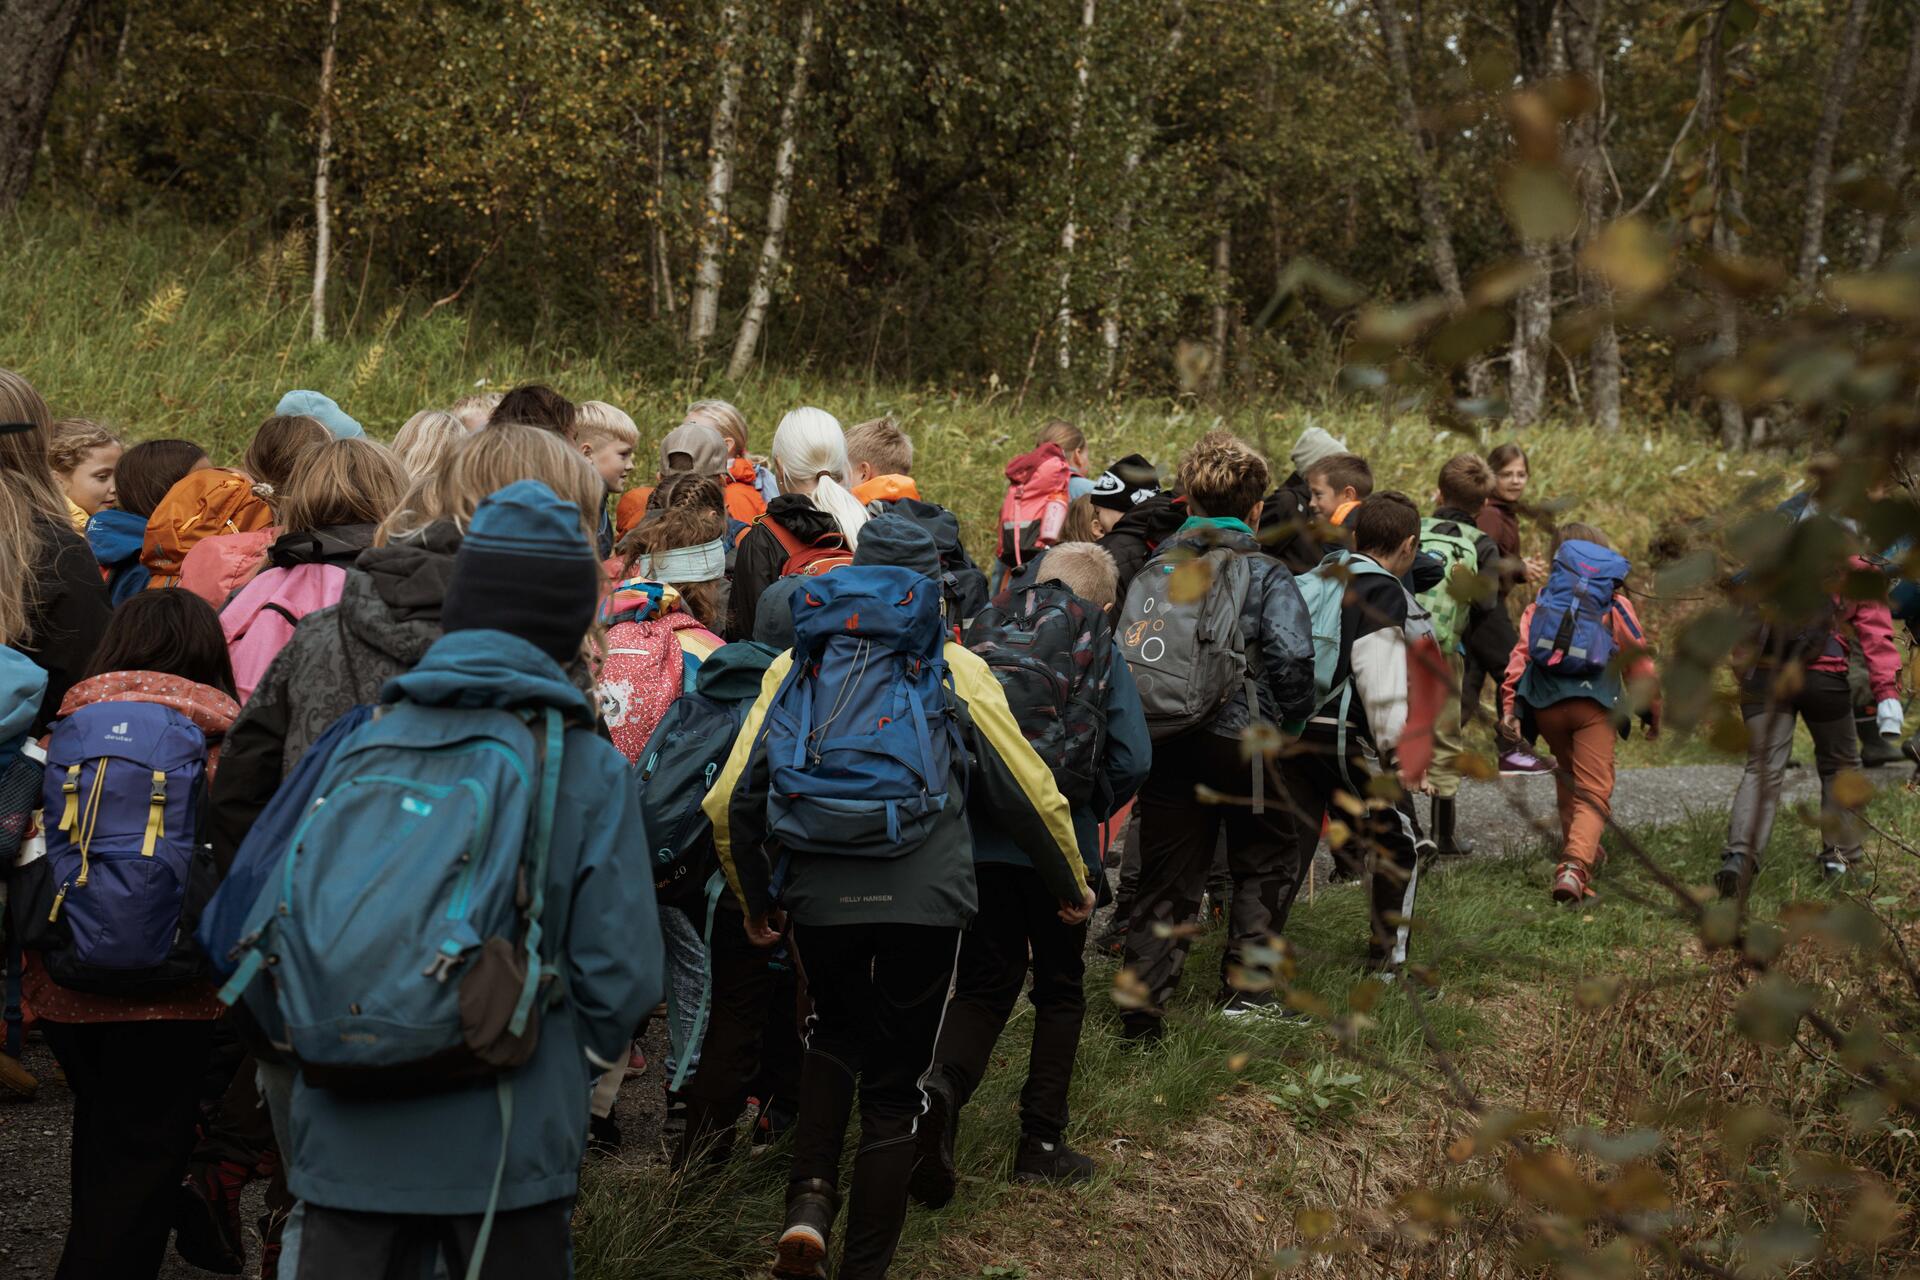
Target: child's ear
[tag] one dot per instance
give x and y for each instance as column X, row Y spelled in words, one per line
column 585, row 447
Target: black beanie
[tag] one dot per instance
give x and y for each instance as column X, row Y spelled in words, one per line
column 895, row 540
column 525, row 568
column 1125, row 484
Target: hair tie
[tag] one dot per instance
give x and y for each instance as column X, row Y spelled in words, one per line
column 262, row 490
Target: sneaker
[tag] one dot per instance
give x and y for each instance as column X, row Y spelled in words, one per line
column 603, row 1136
column 1735, row 868
column 1259, row 1007
column 1144, row 1031
column 16, row 1079
column 1519, row 762
column 674, row 1118
column 206, row 1218
column 636, row 1059
column 934, row 1175
column 1055, row 1162
column 1570, row 887
column 802, row 1250
column 1833, row 866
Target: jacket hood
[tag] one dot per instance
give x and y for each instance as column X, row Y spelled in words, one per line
column 886, row 489
column 1153, row 520
column 391, row 601
column 481, row 668
column 1040, row 472
column 733, row 672
column 116, row 535
column 212, row 711
column 1207, row 536
column 337, row 544
column 22, row 685
column 796, row 513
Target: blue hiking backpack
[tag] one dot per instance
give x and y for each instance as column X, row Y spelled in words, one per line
column 129, row 870
column 402, row 934
column 1571, row 633
column 684, row 755
column 862, row 737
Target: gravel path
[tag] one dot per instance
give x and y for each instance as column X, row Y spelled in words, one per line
column 33, row 1134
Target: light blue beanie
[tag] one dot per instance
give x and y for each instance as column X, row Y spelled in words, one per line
column 314, row 405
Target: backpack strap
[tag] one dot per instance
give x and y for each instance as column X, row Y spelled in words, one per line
column 549, row 753
column 716, row 886
column 788, row 543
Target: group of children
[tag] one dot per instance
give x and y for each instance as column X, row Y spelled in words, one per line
column 384, row 792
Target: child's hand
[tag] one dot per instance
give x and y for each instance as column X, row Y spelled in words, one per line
column 766, row 930
column 1510, row 725
column 1536, row 568
column 1077, row 913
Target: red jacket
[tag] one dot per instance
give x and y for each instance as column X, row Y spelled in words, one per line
column 1870, row 624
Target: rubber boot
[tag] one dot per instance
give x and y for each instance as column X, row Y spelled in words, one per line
column 801, row 1254
column 1875, row 751
column 1445, row 813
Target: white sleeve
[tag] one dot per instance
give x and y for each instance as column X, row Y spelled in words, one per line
column 1380, row 678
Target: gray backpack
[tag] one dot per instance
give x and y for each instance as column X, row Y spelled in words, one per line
column 1180, row 634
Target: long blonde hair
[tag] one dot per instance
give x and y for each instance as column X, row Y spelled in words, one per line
column 810, row 455
column 18, row 538
column 490, row 460
column 722, row 417
column 351, row 481
column 427, row 440
column 23, row 454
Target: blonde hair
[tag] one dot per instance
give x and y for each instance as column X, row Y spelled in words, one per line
column 275, row 451
column 18, row 539
column 426, row 439
column 598, row 420
column 1084, row 569
column 1061, row 432
column 23, row 454
column 353, row 481
column 882, row 445
column 810, row 454
column 474, row 410
column 490, row 460
column 1221, row 476
column 722, row 417
column 1081, row 525
column 72, row 439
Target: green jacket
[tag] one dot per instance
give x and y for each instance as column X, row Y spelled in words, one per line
column 929, row 885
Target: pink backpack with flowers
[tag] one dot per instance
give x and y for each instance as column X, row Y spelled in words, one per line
column 646, row 668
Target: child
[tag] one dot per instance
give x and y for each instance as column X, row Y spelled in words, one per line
column 396, row 1185
column 1288, row 512
column 1017, row 927
column 1499, row 520
column 311, row 404
column 1119, row 489
column 880, row 461
column 144, row 475
column 606, row 437
column 345, row 488
column 1451, row 534
column 427, row 440
column 692, row 448
column 878, row 934
column 1351, row 736
column 1847, row 630
column 1072, row 443
column 1336, row 484
column 204, row 503
column 1224, row 482
column 1035, row 507
column 1575, row 708
column 810, row 459
column 218, row 566
column 532, row 405
column 750, row 483
column 134, row 1062
column 83, row 455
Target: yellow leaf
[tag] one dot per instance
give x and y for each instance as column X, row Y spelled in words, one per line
column 1851, row 789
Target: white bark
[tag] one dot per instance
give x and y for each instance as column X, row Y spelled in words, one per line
column 1063, row 315
column 91, row 154
column 1813, row 224
column 1222, row 297
column 1894, row 171
column 1123, row 221
column 703, row 309
column 777, row 204
column 322, row 172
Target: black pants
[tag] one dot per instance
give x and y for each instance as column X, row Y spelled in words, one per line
column 750, row 1042
column 1019, row 920
column 135, row 1102
column 1219, row 878
column 527, row 1244
column 878, row 994
column 1382, row 843
column 1178, row 839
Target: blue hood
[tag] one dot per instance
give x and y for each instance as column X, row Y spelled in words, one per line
column 22, row 685
column 481, row 668
column 116, row 535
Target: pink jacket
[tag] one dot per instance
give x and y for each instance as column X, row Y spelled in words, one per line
column 260, row 620
column 1871, row 624
column 220, row 565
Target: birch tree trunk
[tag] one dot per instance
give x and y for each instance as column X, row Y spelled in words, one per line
column 1222, row 298
column 1069, row 232
column 1720, row 235
column 322, row 172
column 1123, row 220
column 35, row 36
column 1894, row 171
column 1530, row 353
column 703, row 308
column 777, row 204
column 90, row 155
column 1581, row 35
column 1846, row 60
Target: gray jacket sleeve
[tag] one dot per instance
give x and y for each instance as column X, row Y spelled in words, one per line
column 1286, row 649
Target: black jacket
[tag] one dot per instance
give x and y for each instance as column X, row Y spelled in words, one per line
column 67, row 614
column 1137, row 538
column 1286, row 526
column 339, row 544
column 759, row 559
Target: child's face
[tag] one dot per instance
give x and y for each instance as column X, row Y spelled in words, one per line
column 90, row 485
column 1078, row 460
column 1324, row 500
column 1511, row 480
column 612, row 459
column 1106, row 518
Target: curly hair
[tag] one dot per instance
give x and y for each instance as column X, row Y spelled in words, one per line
column 1221, row 476
column 72, row 439
column 682, row 518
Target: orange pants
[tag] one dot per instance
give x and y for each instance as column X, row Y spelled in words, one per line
column 1581, row 733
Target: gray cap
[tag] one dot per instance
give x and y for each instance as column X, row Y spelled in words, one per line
column 693, row 447
column 896, row 540
column 1314, row 444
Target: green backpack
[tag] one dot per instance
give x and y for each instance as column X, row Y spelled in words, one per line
column 1458, row 547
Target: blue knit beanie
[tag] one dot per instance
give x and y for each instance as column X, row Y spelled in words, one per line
column 314, row 405
column 895, row 540
column 525, row 568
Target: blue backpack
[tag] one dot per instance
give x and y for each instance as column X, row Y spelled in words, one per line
column 1571, row 633
column 861, row 738
column 1324, row 589
column 402, row 933
column 683, row 756
column 129, row 871
column 261, row 854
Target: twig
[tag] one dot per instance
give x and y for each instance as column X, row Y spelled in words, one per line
column 467, row 279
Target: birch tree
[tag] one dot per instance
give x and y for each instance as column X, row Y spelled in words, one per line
column 1833, row 106
column 1069, row 231
column 703, row 308
column 1894, row 170
column 1123, row 217
column 777, row 203
column 322, row 172
column 1533, row 27
column 1580, row 31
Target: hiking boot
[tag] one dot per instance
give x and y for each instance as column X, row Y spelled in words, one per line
column 206, row 1218
column 1735, row 870
column 674, row 1119
column 1520, row 761
column 603, row 1136
column 1875, row 751
column 1570, row 887
column 802, row 1251
column 1446, row 843
column 16, row 1079
column 934, row 1175
column 1056, row 1162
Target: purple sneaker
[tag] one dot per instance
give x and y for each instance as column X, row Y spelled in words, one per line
column 1521, row 761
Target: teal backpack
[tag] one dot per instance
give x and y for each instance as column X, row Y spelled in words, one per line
column 1458, row 550
column 1324, row 588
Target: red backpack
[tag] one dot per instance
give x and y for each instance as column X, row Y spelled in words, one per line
column 824, row 554
column 645, row 671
